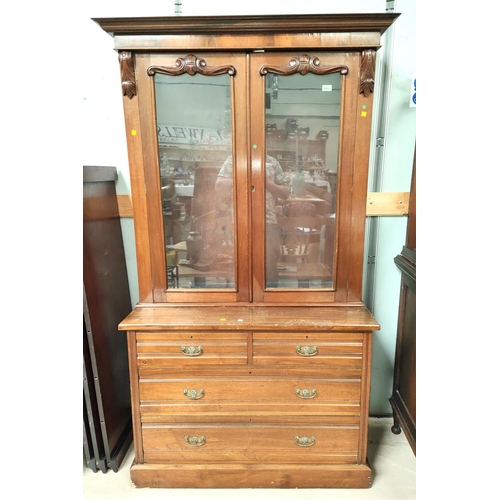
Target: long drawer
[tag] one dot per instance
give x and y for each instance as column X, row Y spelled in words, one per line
column 300, row 442
column 200, row 392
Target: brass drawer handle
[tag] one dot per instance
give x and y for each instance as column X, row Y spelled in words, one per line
column 305, row 441
column 306, row 393
column 194, row 394
column 195, row 440
column 307, row 351
column 192, row 350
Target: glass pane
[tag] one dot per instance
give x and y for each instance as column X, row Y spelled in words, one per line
column 194, row 134
column 302, row 137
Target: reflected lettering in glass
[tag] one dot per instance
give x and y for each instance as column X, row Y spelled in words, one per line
column 195, row 142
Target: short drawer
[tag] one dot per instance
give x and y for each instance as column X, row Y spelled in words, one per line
column 344, row 349
column 267, row 443
column 158, row 349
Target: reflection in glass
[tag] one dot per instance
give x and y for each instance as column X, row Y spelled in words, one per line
column 302, row 137
column 194, row 136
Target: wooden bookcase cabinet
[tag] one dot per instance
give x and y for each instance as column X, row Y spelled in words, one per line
column 250, row 386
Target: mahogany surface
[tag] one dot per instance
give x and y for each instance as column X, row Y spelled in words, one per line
column 255, row 25
column 257, row 317
column 247, row 394
column 250, row 386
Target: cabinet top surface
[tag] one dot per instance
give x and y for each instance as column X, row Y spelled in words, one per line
column 322, row 318
column 289, row 23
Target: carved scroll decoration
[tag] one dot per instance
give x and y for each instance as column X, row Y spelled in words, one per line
column 367, row 72
column 127, row 74
column 304, row 64
column 192, row 65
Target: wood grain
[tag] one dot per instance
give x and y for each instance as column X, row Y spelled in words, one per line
column 227, row 475
column 235, row 415
column 388, row 204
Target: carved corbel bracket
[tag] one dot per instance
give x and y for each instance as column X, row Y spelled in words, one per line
column 303, row 64
column 192, row 65
column 127, row 71
column 367, row 72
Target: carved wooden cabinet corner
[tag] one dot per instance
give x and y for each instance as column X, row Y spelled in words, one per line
column 250, row 348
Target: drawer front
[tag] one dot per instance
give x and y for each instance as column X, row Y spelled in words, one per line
column 342, row 349
column 199, row 392
column 191, row 349
column 268, row 443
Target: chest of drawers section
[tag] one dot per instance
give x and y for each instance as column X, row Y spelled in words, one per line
column 263, row 408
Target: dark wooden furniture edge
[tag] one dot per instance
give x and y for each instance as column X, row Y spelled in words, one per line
column 406, row 262
column 122, row 446
column 402, row 420
column 403, row 398
column 102, row 379
column 293, row 23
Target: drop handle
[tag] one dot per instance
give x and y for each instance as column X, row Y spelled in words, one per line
column 305, row 393
column 192, row 350
column 195, row 440
column 193, row 393
column 307, row 351
column 305, row 441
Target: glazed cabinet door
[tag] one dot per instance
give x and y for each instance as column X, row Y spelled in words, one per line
column 249, row 175
column 303, row 137
column 197, row 235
